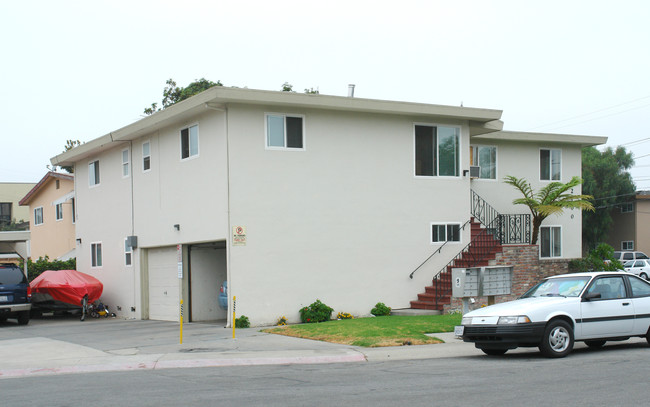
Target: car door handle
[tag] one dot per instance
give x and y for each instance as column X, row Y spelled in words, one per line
column 626, row 303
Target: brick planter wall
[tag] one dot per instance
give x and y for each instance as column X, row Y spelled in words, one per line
column 528, row 270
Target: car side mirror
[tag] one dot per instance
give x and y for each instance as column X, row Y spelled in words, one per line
column 590, row 296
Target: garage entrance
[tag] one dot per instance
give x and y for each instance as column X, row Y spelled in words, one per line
column 164, row 296
column 206, row 272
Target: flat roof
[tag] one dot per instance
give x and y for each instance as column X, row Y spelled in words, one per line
column 584, row 141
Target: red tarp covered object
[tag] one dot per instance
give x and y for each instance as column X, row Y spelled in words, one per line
column 69, row 286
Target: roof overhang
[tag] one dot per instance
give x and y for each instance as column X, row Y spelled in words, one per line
column 15, row 243
column 218, row 98
column 582, row 141
column 50, row 175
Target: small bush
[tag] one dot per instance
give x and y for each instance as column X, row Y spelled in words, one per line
column 344, row 315
column 380, row 310
column 599, row 259
column 242, row 322
column 282, row 321
column 316, row 312
column 35, row 268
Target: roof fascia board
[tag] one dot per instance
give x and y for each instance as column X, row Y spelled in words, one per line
column 583, row 141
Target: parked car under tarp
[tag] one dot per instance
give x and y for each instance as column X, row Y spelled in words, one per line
column 56, row 290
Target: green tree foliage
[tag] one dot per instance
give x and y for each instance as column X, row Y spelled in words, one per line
column 554, row 198
column 606, row 177
column 599, row 259
column 287, row 87
column 35, row 268
column 69, row 145
column 173, row 93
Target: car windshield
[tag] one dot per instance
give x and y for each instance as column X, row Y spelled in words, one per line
column 558, row 287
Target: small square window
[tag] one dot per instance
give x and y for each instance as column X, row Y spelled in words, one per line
column 627, row 207
column 190, row 142
column 627, row 245
column 284, row 131
column 443, row 232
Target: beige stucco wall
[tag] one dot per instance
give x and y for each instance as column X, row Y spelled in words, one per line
column 53, row 238
column 642, row 225
column 13, row 192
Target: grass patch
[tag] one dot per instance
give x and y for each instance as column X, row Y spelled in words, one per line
column 374, row 332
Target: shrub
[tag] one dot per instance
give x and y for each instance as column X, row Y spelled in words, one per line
column 599, row 259
column 34, row 269
column 380, row 310
column 282, row 321
column 316, row 312
column 242, row 322
column 344, row 315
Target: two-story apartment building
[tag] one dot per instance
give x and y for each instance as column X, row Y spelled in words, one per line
column 293, row 197
column 630, row 230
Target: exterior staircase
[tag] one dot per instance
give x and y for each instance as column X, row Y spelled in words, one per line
column 482, row 248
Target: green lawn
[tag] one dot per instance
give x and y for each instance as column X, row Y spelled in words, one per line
column 373, row 332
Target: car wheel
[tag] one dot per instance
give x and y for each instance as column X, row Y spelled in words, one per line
column 595, row 344
column 643, row 276
column 23, row 318
column 494, row 352
column 557, row 341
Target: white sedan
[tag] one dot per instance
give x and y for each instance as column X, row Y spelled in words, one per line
column 591, row 307
column 639, row 267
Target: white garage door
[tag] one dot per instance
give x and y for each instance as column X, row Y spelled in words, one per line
column 163, row 284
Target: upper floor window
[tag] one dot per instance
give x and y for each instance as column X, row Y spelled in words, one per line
column 443, row 232
column 437, row 150
column 627, row 207
column 125, row 163
column 284, row 131
column 627, row 245
column 5, row 212
column 93, row 173
column 189, row 142
column 485, row 157
column 38, row 216
column 146, row 156
column 550, row 241
column 59, row 211
column 550, row 164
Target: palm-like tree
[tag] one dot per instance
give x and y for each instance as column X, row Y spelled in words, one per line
column 552, row 199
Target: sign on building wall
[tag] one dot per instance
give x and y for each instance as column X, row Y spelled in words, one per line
column 239, row 235
column 179, row 253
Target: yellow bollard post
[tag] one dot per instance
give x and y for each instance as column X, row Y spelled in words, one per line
column 181, row 342
column 234, row 299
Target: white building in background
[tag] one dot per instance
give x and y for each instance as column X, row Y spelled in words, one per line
column 295, row 197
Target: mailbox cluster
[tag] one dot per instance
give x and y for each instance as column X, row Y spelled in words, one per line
column 481, row 281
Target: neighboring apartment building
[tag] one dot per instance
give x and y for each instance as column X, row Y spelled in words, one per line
column 630, row 220
column 294, row 197
column 52, row 227
column 10, row 195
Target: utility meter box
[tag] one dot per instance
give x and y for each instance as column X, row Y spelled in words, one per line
column 481, row 281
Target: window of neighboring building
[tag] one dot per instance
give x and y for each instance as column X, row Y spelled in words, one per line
column 442, row 232
column 5, row 212
column 38, row 216
column 550, row 164
column 627, row 245
column 59, row 211
column 96, row 254
column 284, row 131
column 437, row 150
column 57, row 184
column 93, row 173
column 125, row 163
column 550, row 241
column 485, row 157
column 146, row 156
column 128, row 253
column 74, row 210
column 190, row 142
column 627, row 207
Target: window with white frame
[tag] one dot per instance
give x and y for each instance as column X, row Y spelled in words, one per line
column 38, row 216
column 627, row 245
column 125, row 163
column 437, row 150
column 189, row 142
column 550, row 241
column 627, row 207
column 443, row 232
column 128, row 253
column 146, row 156
column 550, row 164
column 284, row 131
column 58, row 209
column 93, row 173
column 485, row 157
column 96, row 254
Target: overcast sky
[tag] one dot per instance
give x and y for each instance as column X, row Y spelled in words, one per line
column 80, row 69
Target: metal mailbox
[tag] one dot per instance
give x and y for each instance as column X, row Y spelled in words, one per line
column 481, row 281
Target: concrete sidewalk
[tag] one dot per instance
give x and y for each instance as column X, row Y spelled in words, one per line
column 65, row 345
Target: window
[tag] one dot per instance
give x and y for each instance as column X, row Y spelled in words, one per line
column 74, row 211
column 550, row 241
column 436, row 151
column 95, row 254
column 93, row 173
column 627, row 245
column 627, row 207
column 443, row 232
column 639, row 288
column 38, row 216
column 486, row 158
column 608, row 288
column 284, row 131
column 128, row 253
column 59, row 211
column 125, row 163
column 57, row 184
column 189, row 142
column 5, row 212
column 550, row 165
column 146, row 156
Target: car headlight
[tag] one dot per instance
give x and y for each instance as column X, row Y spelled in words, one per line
column 466, row 321
column 515, row 319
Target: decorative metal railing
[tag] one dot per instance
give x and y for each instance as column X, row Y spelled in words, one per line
column 508, row 229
